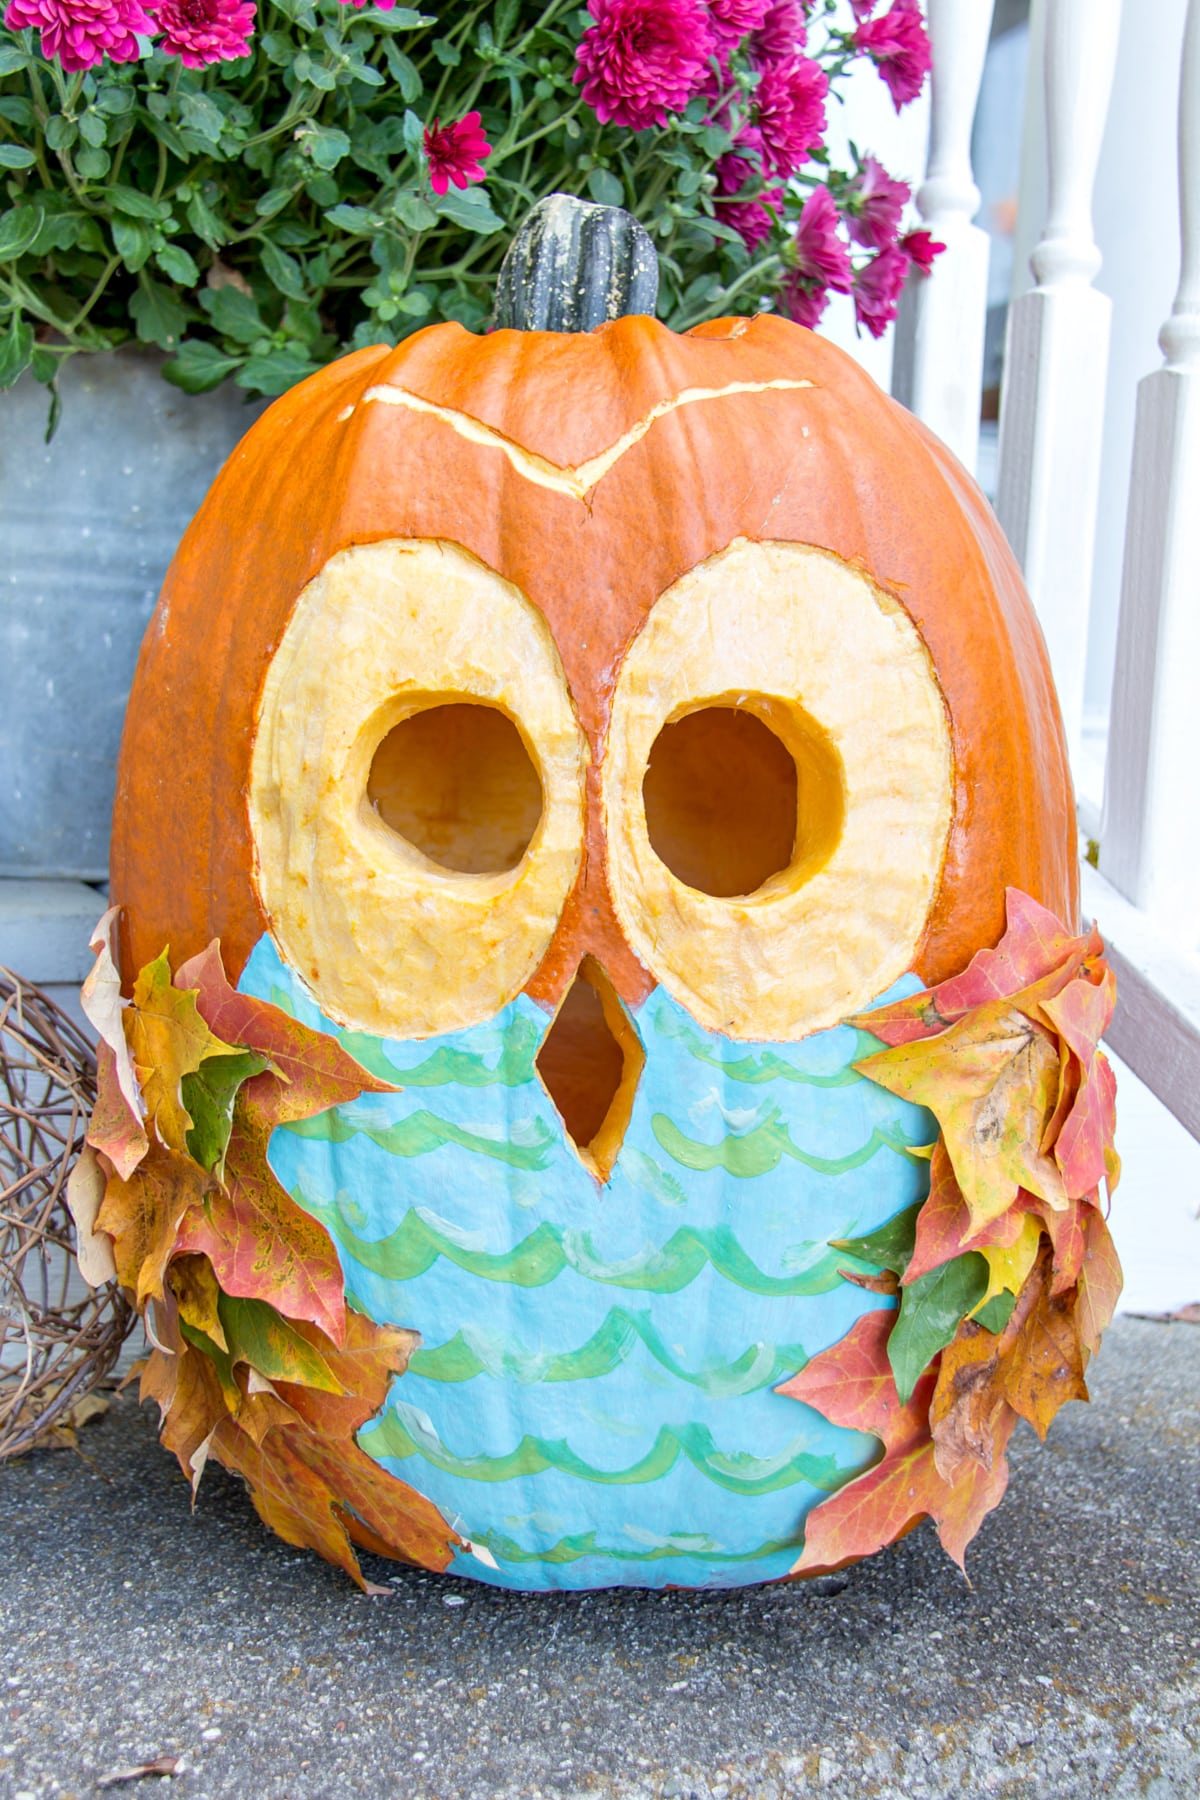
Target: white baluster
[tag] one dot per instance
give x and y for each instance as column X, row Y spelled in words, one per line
column 1052, row 416
column 1150, row 846
column 938, row 367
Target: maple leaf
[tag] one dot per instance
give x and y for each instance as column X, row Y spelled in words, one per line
column 168, row 1039
column 85, row 1195
column 852, row 1385
column 1009, row 1264
column 1033, row 1367
column 197, row 1296
column 142, row 1216
column 1100, row 1280
column 991, row 1081
column 114, row 1127
column 364, row 1365
column 1081, row 1014
column 311, row 1070
column 1035, row 945
column 209, row 1094
column 260, row 1243
column 103, row 1005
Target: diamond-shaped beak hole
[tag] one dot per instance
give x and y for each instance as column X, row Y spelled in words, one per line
column 590, row 1062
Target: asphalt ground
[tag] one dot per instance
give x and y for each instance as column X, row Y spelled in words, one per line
column 133, row 1629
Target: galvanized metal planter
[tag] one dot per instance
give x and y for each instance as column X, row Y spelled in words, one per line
column 88, row 525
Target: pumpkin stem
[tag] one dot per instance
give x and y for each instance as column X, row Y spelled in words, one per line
column 572, row 266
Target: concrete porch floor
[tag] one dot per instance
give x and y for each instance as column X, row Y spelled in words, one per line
column 131, row 1628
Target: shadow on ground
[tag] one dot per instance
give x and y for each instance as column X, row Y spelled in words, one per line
column 131, row 1628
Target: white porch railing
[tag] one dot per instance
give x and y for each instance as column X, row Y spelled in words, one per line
column 1146, row 893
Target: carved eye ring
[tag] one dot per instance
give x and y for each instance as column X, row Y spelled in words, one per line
column 833, row 669
column 407, row 913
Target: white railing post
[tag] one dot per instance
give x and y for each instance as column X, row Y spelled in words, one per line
column 1052, row 411
column 1150, row 844
column 938, row 367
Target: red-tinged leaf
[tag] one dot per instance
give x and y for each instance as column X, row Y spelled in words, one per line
column 852, row 1384
column 1034, row 945
column 991, row 1081
column 1066, row 1231
column 114, row 1127
column 143, row 1215
column 316, row 1072
column 944, row 1226
column 1081, row 1014
column 260, row 1243
column 1100, row 1281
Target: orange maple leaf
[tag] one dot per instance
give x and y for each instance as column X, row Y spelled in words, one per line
column 260, row 1243
column 852, row 1385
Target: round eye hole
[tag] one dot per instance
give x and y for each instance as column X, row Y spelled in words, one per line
column 740, row 790
column 457, row 782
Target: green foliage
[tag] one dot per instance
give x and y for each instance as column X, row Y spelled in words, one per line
column 255, row 219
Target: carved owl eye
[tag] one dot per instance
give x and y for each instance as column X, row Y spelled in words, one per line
column 416, row 789
column 777, row 791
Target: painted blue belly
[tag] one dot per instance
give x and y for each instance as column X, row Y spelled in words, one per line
column 593, row 1402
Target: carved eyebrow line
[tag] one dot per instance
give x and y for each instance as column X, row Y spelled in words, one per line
column 574, row 480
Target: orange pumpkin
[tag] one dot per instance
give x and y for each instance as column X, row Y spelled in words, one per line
column 726, row 601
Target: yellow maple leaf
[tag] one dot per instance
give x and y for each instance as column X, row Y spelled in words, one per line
column 992, row 1082
column 168, row 1039
column 1009, row 1264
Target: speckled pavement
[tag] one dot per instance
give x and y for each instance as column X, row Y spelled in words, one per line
column 131, row 1629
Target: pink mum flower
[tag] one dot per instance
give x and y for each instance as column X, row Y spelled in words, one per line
column 921, row 250
column 862, row 9
column 456, row 152
column 875, row 205
column 898, row 45
column 753, row 219
column 802, row 300
column 205, row 31
column 81, row 33
column 730, row 21
column 877, row 289
column 642, row 59
column 782, row 35
column 790, row 100
column 820, row 252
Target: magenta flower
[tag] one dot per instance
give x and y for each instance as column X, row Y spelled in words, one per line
column 877, row 289
column 642, row 59
column 803, row 300
column 875, row 205
column 754, row 218
column 456, row 152
column 81, row 33
column 921, row 250
column 898, row 45
column 862, row 9
column 790, row 100
column 782, row 35
column 730, row 21
column 205, row 31
column 819, row 251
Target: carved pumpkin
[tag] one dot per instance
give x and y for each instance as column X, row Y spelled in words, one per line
column 581, row 726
